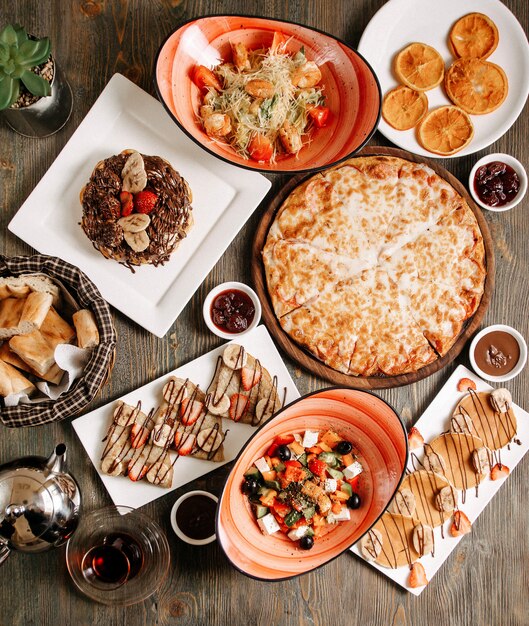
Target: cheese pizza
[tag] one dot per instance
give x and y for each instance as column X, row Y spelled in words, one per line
column 374, row 265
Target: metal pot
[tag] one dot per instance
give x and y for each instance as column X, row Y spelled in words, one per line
column 39, row 503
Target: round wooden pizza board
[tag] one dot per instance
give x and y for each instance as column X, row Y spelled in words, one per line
column 316, row 366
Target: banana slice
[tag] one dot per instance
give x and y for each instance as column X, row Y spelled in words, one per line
column 234, row 356
column 173, row 392
column 125, row 414
column 264, row 410
column 209, row 439
column 423, row 539
column 434, row 462
column 219, row 408
column 460, row 423
column 162, row 435
column 370, row 545
column 481, row 460
column 137, row 241
column 161, row 473
column 501, row 400
column 112, row 465
column 118, row 435
column 446, row 499
column 403, row 503
column 133, row 173
column 134, row 223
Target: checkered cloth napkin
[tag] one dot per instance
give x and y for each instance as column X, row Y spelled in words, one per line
column 85, row 388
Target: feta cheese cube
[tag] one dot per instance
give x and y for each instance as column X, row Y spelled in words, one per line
column 262, row 465
column 268, row 524
column 311, row 438
column 298, row 438
column 343, row 515
column 330, row 485
column 297, row 533
column 353, row 470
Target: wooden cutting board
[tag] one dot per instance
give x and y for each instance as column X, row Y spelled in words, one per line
column 314, row 365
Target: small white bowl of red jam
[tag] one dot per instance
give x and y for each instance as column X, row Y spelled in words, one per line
column 193, row 517
column 498, row 353
column 498, row 182
column 231, row 309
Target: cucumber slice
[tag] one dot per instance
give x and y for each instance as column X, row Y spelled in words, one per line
column 261, row 511
column 303, row 459
column 335, row 473
column 309, row 532
column 279, row 467
column 309, row 512
column 329, row 458
column 273, row 484
column 253, row 472
column 292, row 518
column 346, row 488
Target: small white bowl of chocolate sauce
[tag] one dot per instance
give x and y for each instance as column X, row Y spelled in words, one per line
column 193, row 517
column 498, row 353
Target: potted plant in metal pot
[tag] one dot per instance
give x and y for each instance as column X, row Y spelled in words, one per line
column 35, row 98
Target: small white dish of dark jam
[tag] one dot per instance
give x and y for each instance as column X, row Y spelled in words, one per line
column 498, row 353
column 231, row 309
column 193, row 517
column 498, row 182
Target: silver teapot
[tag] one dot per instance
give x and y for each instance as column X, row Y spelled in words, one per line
column 39, row 503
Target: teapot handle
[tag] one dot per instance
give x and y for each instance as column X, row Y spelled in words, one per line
column 5, row 551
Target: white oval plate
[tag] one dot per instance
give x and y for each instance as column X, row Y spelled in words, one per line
column 400, row 22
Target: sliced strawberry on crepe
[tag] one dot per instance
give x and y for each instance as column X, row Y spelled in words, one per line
column 238, row 405
column 184, row 443
column 461, row 524
column 250, row 377
column 499, row 471
column 138, row 436
column 465, row 384
column 190, row 411
column 417, row 576
column 137, row 469
column 415, row 439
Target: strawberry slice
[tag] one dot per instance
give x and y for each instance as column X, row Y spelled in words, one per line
column 499, row 471
column 417, row 576
column 415, row 439
column 126, row 199
column 138, row 436
column 136, row 469
column 190, row 411
column 250, row 377
column 465, row 384
column 461, row 524
column 145, row 201
column 238, row 405
column 184, row 443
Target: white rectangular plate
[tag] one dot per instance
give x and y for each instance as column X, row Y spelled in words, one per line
column 224, row 196
column 92, row 427
column 434, row 421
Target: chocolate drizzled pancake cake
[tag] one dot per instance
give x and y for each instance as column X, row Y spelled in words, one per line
column 374, row 265
column 136, row 209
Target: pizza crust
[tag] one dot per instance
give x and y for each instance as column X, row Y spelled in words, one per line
column 375, row 265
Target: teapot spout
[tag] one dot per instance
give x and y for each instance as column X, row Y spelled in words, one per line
column 57, row 460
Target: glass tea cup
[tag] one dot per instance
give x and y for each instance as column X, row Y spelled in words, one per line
column 118, row 555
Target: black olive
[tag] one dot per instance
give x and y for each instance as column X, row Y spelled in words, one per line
column 283, row 452
column 250, row 486
column 306, row 542
column 354, row 501
column 344, row 447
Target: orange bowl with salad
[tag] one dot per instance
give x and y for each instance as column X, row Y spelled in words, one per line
column 310, row 483
column 267, row 95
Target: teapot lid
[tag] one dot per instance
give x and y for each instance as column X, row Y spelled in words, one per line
column 26, row 506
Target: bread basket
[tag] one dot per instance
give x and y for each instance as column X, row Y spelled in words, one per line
column 101, row 360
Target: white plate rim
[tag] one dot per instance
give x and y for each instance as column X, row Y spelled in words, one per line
column 249, row 188
column 371, row 36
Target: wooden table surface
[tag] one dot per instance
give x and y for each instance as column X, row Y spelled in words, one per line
column 485, row 581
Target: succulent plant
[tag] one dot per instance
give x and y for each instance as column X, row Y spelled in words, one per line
column 18, row 54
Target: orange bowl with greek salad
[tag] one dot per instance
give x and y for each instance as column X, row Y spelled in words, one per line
column 267, row 95
column 311, row 482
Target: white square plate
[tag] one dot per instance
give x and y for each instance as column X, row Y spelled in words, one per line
column 92, row 427
column 224, row 197
column 434, row 421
